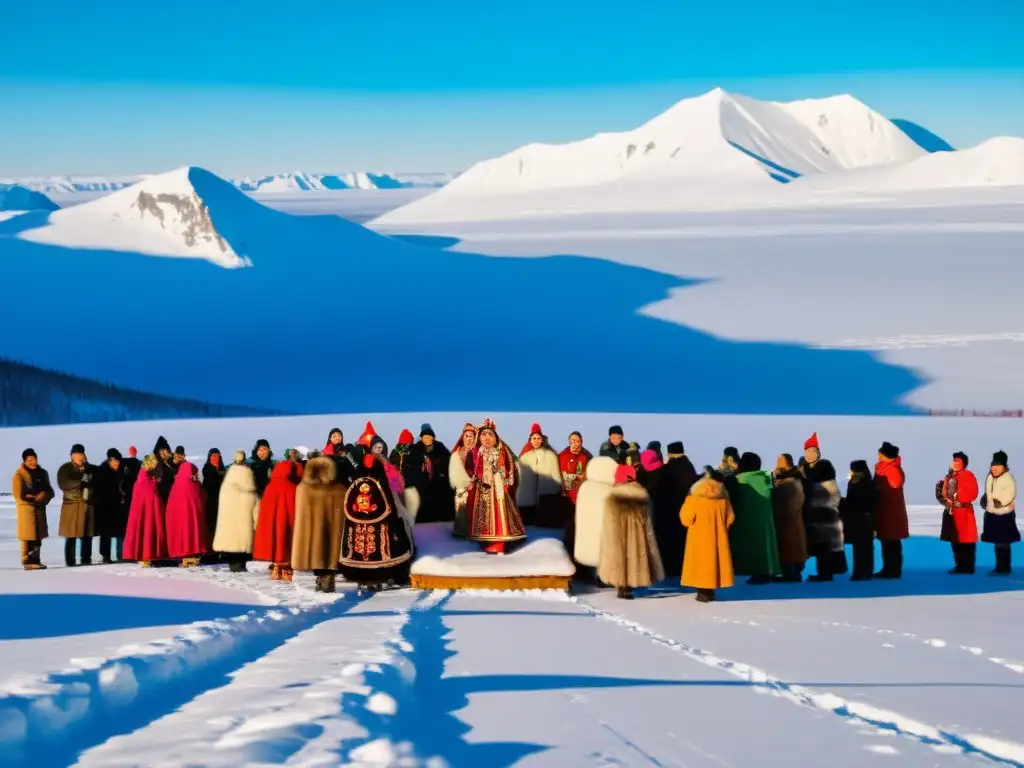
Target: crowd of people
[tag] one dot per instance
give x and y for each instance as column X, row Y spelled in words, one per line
column 629, row 517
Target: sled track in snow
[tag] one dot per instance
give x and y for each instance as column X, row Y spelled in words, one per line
column 51, row 723
column 994, row 750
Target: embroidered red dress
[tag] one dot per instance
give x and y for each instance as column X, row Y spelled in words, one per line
column 494, row 518
column 574, row 468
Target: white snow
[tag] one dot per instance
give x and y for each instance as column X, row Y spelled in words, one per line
column 441, row 554
column 162, row 215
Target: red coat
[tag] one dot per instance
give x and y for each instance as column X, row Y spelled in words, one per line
column 146, row 538
column 891, row 523
column 186, row 514
column 574, row 467
column 276, row 523
column 959, row 492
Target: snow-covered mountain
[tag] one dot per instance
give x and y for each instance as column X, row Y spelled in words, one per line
column 14, row 197
column 719, row 138
column 998, row 162
column 186, row 212
column 280, row 182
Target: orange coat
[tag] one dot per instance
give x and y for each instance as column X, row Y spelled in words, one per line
column 707, row 514
column 891, row 522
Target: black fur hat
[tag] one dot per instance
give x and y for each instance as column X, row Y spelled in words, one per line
column 999, row 459
column 113, row 453
column 750, row 462
column 889, row 451
column 161, row 445
column 261, row 443
column 860, row 467
column 615, row 430
column 676, row 448
column 426, row 429
column 179, row 450
column 27, row 454
column 77, row 448
column 962, row 456
column 731, row 453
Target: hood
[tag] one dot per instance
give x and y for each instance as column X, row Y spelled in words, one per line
column 650, row 461
column 319, row 471
column 602, row 470
column 186, row 469
column 709, row 488
column 282, row 470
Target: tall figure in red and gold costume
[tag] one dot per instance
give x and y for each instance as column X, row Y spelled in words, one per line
column 494, row 518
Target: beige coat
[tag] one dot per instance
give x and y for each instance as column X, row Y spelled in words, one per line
column 31, row 516
column 319, row 516
column 77, row 516
column 238, row 509
column 594, row 491
column 629, row 551
column 539, row 475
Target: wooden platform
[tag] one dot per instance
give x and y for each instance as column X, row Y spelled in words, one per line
column 445, row 562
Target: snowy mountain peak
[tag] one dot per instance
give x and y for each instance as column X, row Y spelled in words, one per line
column 14, row 197
column 717, row 139
column 185, row 212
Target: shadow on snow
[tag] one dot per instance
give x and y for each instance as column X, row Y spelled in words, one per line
column 60, row 615
column 406, row 308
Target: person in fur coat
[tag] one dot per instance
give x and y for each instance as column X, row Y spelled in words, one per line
column 459, row 479
column 629, row 553
column 788, row 511
column 755, row 549
column 186, row 517
column 32, row 492
column 540, row 495
column 857, row 513
column 1000, row 526
column 707, row 514
column 145, row 539
column 319, row 517
column 376, row 540
column 821, row 513
column 239, row 509
column 892, row 525
column 590, row 514
column 957, row 492
column 276, row 524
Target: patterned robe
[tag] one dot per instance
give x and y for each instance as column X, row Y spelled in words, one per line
column 493, row 514
column 374, row 536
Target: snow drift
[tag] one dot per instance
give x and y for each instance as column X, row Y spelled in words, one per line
column 719, row 139
column 996, row 162
column 14, row 197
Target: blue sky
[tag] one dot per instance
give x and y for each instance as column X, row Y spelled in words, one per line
column 404, row 85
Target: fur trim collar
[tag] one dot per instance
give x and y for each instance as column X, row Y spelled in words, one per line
column 629, row 491
column 319, row 471
column 709, row 488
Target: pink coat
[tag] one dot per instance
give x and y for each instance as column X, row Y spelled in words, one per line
column 186, row 514
column 145, row 538
column 394, row 479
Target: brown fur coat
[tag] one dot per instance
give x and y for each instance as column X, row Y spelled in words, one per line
column 629, row 551
column 319, row 515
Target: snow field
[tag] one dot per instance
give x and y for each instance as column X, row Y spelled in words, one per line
column 338, row 691
column 44, row 719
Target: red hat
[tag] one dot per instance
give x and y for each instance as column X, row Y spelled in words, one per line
column 535, row 429
column 405, row 438
column 812, row 442
column 133, row 451
column 368, row 434
column 624, row 473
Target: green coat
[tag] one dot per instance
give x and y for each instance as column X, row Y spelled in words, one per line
column 755, row 549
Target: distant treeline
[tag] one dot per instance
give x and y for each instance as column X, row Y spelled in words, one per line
column 31, row 396
column 1004, row 414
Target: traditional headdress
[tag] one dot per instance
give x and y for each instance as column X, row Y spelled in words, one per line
column 368, row 434
column 467, row 425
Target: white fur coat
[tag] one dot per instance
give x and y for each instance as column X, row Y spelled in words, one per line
column 237, row 511
column 590, row 503
column 539, row 475
column 1003, row 488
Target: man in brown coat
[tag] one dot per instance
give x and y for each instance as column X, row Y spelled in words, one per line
column 32, row 492
column 77, row 517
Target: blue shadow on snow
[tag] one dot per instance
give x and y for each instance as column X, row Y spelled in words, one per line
column 332, row 298
column 61, row 615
